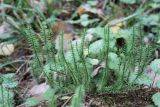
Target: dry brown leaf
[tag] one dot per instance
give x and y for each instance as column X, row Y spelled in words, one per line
column 38, row 90
column 6, row 49
column 85, row 8
column 115, row 29
column 68, row 37
column 61, row 26
column 97, row 70
column 69, row 34
column 81, row 10
column 155, row 77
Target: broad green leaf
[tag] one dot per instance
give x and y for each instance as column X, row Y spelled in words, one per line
column 102, row 32
column 76, row 45
column 52, row 67
column 157, row 1
column 8, row 81
column 144, row 80
column 96, row 48
column 99, row 31
column 49, row 95
column 155, row 99
column 85, row 23
column 92, row 61
column 84, row 20
column 71, row 56
column 128, row 1
column 113, row 62
column 155, row 5
column 150, row 20
column 30, row 102
column 155, row 65
column 158, row 83
column 141, row 80
column 6, row 97
column 84, row 17
column 92, row 3
column 65, row 97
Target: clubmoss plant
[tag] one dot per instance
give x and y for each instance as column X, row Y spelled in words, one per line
column 69, row 70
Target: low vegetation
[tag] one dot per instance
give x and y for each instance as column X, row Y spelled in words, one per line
column 86, row 53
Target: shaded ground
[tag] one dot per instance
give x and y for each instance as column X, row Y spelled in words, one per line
column 133, row 98
column 140, row 97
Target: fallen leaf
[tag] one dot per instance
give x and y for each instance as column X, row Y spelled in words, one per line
column 6, row 49
column 38, row 90
column 30, row 102
column 93, row 61
column 153, row 75
column 115, row 29
column 68, row 38
column 97, row 70
column 65, row 97
column 81, row 10
column 88, row 8
column 115, row 22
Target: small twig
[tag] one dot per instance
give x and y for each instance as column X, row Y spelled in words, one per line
column 27, row 71
column 127, row 18
column 20, row 68
column 104, row 5
column 153, row 80
column 11, row 62
column 67, row 101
